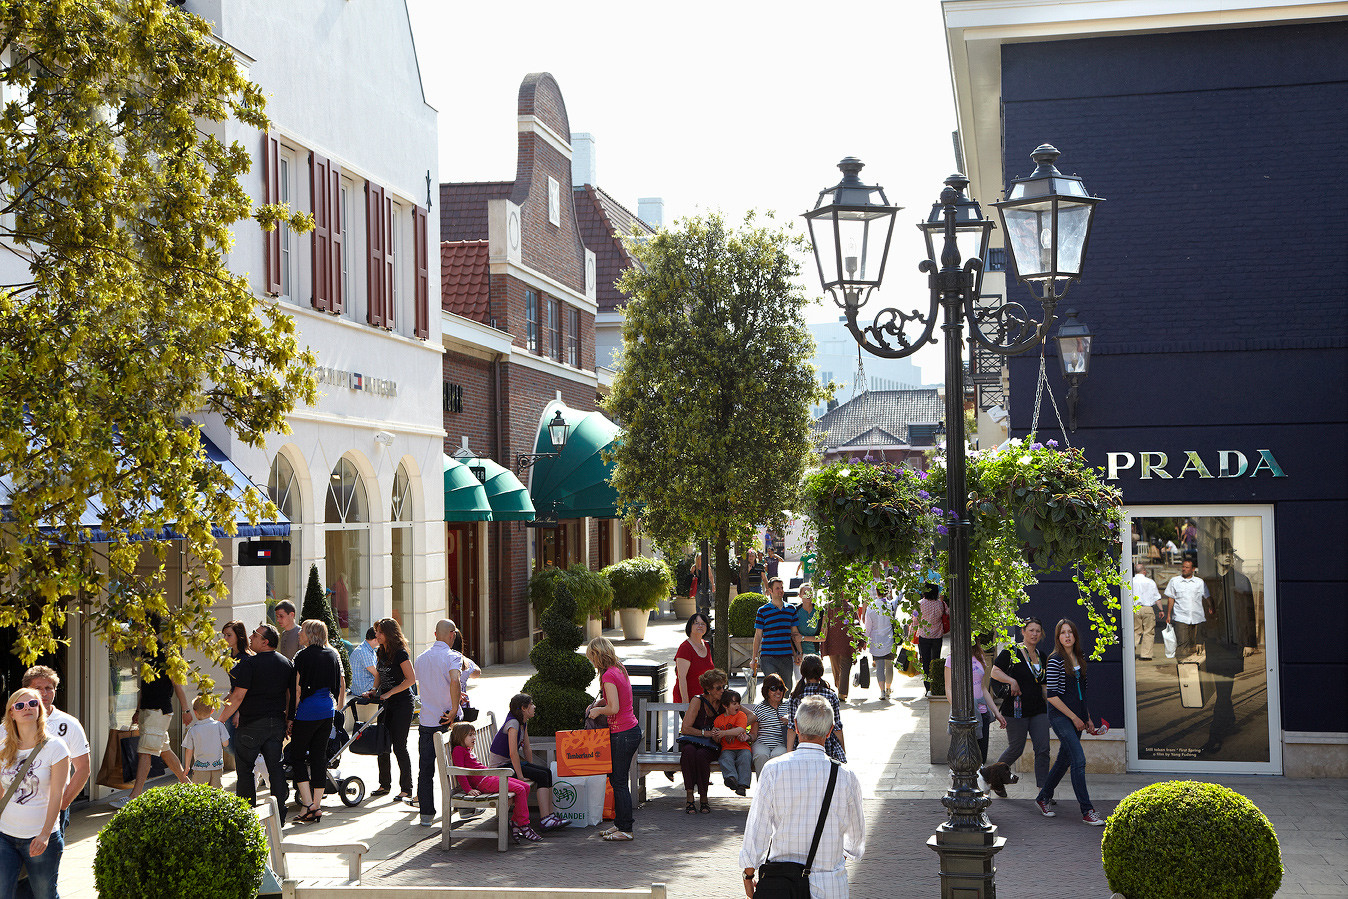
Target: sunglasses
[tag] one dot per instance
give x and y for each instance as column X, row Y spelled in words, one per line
column 29, row 704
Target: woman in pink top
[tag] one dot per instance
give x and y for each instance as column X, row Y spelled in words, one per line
column 928, row 629
column 624, row 732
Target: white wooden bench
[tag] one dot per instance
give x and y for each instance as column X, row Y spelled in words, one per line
column 455, row 798
column 291, row 889
column 277, row 847
column 660, row 723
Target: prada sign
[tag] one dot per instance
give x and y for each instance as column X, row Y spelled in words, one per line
column 1225, row 464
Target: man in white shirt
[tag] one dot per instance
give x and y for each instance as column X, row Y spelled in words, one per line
column 59, row 724
column 786, row 810
column 438, row 671
column 1187, row 607
column 1145, row 598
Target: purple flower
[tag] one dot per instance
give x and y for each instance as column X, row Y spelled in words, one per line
column 1035, row 446
column 924, row 494
column 942, row 530
column 1053, row 443
column 938, row 511
column 922, row 475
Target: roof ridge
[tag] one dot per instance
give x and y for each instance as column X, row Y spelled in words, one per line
column 622, row 206
column 473, row 240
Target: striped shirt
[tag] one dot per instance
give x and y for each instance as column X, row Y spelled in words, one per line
column 833, row 746
column 1071, row 690
column 776, row 625
column 771, row 729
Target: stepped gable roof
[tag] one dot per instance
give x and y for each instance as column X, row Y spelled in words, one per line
column 463, row 208
column 465, row 279
column 604, row 222
column 890, row 411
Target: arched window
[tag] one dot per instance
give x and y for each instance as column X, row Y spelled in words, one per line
column 283, row 489
column 347, row 544
column 401, row 524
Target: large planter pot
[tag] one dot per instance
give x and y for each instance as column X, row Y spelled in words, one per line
column 684, row 607
column 938, row 719
column 634, row 623
column 593, row 628
column 741, row 653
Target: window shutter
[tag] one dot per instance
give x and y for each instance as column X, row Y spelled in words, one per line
column 421, row 249
column 390, row 245
column 335, row 225
column 271, row 193
column 321, row 200
column 375, row 234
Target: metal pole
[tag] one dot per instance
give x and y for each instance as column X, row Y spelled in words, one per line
column 967, row 842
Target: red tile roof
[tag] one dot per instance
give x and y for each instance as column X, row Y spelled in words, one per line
column 463, row 208
column 465, row 279
column 603, row 223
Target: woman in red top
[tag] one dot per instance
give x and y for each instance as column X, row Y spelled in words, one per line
column 693, row 658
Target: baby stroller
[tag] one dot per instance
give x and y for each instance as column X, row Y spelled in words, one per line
column 351, row 789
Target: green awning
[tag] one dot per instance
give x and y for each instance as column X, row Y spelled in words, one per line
column 576, row 483
column 465, row 498
column 508, row 498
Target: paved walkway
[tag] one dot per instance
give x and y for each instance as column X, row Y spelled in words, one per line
column 696, row 855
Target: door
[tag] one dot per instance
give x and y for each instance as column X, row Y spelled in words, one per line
column 461, row 584
column 1210, row 704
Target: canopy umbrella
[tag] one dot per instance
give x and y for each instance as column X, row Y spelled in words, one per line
column 465, row 498
column 575, row 484
column 509, row 499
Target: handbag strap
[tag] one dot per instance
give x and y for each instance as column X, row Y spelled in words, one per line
column 823, row 814
column 22, row 773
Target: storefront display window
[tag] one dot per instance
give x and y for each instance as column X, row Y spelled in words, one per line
column 1204, row 689
column 283, row 490
column 347, row 544
column 401, row 523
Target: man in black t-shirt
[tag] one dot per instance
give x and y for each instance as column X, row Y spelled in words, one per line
column 263, row 686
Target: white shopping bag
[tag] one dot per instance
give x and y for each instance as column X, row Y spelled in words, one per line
column 1171, row 643
column 579, row 800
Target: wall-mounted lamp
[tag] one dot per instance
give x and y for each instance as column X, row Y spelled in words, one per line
column 558, row 431
column 1074, row 352
column 384, row 438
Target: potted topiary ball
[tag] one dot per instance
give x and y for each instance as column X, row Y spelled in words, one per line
column 181, row 840
column 1181, row 839
column 740, row 618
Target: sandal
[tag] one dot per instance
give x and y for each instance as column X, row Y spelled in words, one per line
column 690, row 808
column 403, row 797
column 609, row 830
column 310, row 816
column 706, row 807
column 618, row 836
column 412, row 801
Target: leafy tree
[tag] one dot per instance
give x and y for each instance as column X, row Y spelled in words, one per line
column 316, row 605
column 120, row 201
column 714, row 386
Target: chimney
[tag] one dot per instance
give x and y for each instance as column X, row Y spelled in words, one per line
column 651, row 210
column 582, row 159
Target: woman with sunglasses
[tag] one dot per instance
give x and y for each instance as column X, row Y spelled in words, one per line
column 29, row 833
column 769, row 727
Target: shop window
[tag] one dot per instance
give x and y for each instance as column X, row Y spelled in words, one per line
column 401, row 524
column 283, row 582
column 347, row 545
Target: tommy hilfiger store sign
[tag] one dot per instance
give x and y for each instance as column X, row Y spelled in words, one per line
column 1221, row 464
column 354, row 380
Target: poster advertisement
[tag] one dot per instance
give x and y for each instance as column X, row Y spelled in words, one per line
column 1200, row 668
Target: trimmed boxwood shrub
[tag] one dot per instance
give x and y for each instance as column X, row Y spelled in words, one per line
column 1181, row 839
column 639, row 583
column 562, row 674
column 181, row 840
column 742, row 614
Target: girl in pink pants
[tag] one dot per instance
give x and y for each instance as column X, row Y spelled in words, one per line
column 461, row 738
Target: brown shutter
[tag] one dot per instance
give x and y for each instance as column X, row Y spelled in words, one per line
column 335, row 225
column 271, row 193
column 421, row 287
column 321, row 199
column 389, row 263
column 375, row 234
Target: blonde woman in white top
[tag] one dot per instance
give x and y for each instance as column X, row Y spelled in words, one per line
column 29, row 835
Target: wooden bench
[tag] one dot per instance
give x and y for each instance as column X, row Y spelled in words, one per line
column 455, row 798
column 291, row 889
column 660, row 723
column 277, row 847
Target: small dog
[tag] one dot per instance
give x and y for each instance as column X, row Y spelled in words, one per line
column 998, row 775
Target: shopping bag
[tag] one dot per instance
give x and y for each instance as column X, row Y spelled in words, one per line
column 111, row 773
column 375, row 739
column 609, row 809
column 1171, row 642
column 584, row 752
column 864, row 675
column 579, row 800
column 908, row 662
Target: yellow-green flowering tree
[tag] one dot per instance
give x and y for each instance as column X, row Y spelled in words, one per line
column 118, row 318
column 714, row 387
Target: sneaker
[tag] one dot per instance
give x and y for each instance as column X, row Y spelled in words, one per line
column 1044, row 809
column 427, row 821
column 1093, row 819
column 732, row 784
column 120, row 802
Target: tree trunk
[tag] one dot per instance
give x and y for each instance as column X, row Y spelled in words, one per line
column 721, row 643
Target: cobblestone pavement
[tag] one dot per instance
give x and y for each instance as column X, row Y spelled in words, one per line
column 697, row 854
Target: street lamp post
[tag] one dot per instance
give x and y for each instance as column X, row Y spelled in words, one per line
column 1047, row 218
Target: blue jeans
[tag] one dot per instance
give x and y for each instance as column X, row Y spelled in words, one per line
column 1070, row 754
column 624, row 746
column 41, row 882
column 783, row 666
column 426, row 775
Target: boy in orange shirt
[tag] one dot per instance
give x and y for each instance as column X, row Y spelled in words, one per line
column 736, row 755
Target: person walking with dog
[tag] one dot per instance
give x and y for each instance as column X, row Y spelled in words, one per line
column 1025, row 709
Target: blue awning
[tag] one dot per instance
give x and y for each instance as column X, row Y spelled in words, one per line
column 93, row 516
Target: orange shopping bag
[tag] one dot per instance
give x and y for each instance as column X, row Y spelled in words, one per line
column 583, row 752
column 609, row 813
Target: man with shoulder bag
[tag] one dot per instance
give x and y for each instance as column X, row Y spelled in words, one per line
column 806, row 819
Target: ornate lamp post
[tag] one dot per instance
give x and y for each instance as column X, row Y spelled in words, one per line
column 1047, row 217
column 558, row 431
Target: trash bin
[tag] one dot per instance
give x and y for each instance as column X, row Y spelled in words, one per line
column 655, row 689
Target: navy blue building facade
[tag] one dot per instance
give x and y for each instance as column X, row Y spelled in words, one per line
column 1215, row 287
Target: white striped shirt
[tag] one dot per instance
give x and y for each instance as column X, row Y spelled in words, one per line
column 771, row 727
column 786, row 808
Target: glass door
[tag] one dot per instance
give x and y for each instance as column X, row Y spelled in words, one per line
column 1202, row 677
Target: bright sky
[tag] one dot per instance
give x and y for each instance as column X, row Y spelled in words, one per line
column 733, row 105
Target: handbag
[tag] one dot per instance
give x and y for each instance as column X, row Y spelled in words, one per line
column 692, row 591
column 21, row 774
column 593, row 723
column 864, row 673
column 375, row 739
column 790, row 880
column 699, row 740
column 945, row 620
